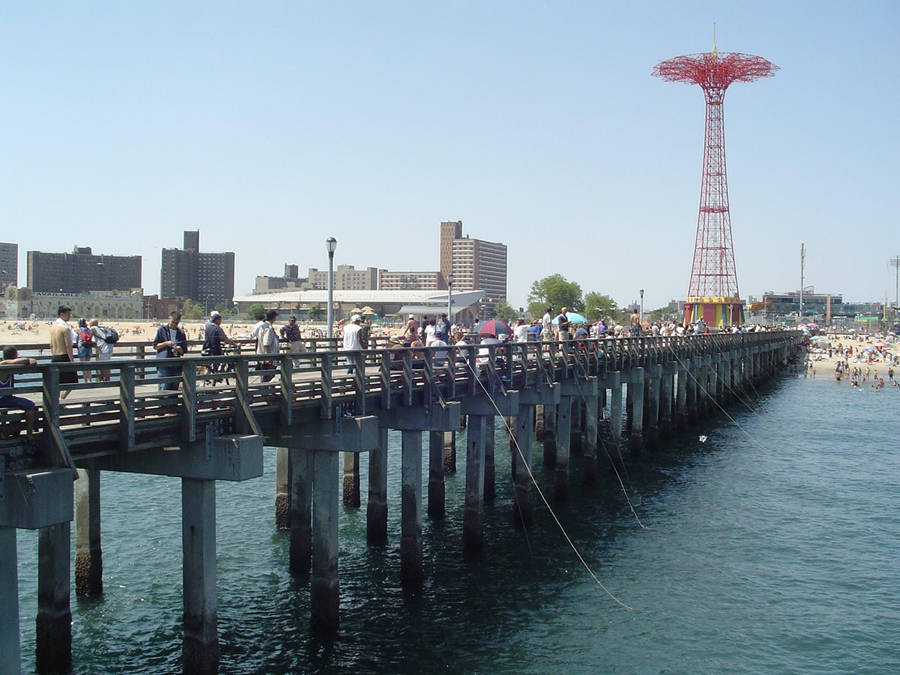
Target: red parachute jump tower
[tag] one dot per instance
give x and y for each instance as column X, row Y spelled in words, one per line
column 713, row 292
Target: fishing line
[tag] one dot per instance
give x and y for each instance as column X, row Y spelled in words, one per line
column 540, row 492
column 711, row 398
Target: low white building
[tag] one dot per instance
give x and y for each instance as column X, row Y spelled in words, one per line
column 384, row 303
column 22, row 303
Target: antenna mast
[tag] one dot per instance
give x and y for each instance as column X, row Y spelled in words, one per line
column 802, row 264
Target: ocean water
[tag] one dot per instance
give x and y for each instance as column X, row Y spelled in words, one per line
column 773, row 546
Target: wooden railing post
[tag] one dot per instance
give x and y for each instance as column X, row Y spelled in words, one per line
column 126, row 407
column 188, row 403
column 287, row 389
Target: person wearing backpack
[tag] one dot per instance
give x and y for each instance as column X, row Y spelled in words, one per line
column 85, row 345
column 105, row 344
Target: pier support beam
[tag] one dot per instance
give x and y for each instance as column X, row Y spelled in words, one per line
column 636, row 389
column 351, row 480
column 53, row 649
column 490, row 437
column 473, row 515
column 681, row 396
column 300, row 470
column 10, row 656
column 88, row 554
column 37, row 500
column 523, row 434
column 589, row 442
column 614, row 449
column 436, row 489
column 450, row 451
column 563, row 445
column 666, row 385
column 411, row 508
column 653, row 386
column 377, row 510
column 550, row 434
column 282, row 489
column 200, row 650
column 325, row 590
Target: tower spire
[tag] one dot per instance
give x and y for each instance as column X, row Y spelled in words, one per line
column 714, row 52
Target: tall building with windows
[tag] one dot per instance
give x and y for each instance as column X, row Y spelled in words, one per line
column 474, row 264
column 410, row 281
column 346, row 278
column 206, row 278
column 81, row 271
column 9, row 265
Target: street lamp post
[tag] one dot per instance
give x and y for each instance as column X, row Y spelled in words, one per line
column 450, row 298
column 331, row 245
column 642, row 307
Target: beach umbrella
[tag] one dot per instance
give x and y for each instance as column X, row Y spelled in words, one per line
column 574, row 317
column 493, row 327
column 368, row 311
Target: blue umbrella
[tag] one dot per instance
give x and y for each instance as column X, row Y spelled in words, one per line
column 574, row 317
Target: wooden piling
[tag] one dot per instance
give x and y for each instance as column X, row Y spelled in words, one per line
column 325, row 590
column 473, row 515
column 88, row 553
column 351, row 480
column 563, row 447
column 551, row 434
column 53, row 640
column 637, row 408
column 200, row 648
column 282, row 489
column 411, row 508
column 522, row 436
column 436, row 487
column 377, row 509
column 300, row 471
column 490, row 434
column 450, row 451
column 10, row 650
column 589, row 442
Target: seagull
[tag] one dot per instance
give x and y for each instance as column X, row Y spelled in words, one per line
column 703, row 439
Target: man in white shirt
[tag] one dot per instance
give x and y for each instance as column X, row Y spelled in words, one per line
column 521, row 330
column 547, row 326
column 266, row 342
column 351, row 339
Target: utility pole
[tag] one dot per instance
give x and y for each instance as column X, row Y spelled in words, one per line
column 802, row 263
column 895, row 261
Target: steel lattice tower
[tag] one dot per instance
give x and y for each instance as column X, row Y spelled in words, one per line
column 713, row 290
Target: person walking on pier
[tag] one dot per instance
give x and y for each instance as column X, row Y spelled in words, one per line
column 563, row 325
column 635, row 321
column 105, row 345
column 267, row 342
column 85, row 345
column 291, row 334
column 170, row 343
column 213, row 340
column 547, row 326
column 62, row 338
column 351, row 339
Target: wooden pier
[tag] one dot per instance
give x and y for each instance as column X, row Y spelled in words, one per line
column 207, row 428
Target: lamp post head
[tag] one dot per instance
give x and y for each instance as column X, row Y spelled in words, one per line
column 642, row 292
column 331, row 245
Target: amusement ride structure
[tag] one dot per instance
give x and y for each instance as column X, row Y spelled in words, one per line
column 713, row 291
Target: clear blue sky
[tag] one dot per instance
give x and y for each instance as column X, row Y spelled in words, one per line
column 270, row 126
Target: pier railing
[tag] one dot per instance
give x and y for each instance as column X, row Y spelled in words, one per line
column 139, row 404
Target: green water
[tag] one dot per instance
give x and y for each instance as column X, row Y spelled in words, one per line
column 773, row 547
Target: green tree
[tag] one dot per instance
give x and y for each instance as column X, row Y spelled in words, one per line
column 255, row 310
column 598, row 306
column 191, row 311
column 226, row 312
column 555, row 291
column 503, row 310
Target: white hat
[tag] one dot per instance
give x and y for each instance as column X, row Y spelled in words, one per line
column 356, row 317
column 411, row 316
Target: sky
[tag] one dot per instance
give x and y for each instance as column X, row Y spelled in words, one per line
column 271, row 126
